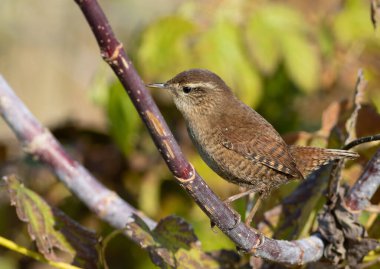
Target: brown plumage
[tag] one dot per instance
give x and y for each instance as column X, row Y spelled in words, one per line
column 235, row 141
column 309, row 159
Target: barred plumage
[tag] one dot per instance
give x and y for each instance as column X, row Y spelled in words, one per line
column 236, row 141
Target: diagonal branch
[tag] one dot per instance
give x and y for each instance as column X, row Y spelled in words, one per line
column 39, row 142
column 297, row 252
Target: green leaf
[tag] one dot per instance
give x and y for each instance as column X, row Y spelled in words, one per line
column 264, row 30
column 353, row 23
column 275, row 31
column 281, row 18
column 100, row 87
column 148, row 199
column 175, row 233
column 124, row 121
column 51, row 229
column 262, row 43
column 301, row 61
column 164, row 49
column 173, row 243
column 221, row 50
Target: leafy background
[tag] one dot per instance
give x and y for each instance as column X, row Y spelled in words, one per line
column 287, row 59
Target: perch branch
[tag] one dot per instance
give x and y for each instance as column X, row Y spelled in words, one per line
column 295, row 252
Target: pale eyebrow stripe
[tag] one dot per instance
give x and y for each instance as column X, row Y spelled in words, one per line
column 201, row 84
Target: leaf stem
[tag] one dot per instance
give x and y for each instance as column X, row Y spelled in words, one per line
column 362, row 140
column 34, row 255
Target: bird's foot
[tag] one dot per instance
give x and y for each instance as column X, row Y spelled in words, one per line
column 229, row 200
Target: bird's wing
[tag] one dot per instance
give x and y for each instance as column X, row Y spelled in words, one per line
column 259, row 142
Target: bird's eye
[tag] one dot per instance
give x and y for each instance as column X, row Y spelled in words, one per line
column 186, row 89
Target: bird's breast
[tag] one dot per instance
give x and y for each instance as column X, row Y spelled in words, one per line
column 206, row 140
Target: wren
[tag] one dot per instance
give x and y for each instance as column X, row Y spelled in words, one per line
column 236, row 141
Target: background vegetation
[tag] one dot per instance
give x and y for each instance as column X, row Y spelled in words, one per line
column 287, row 59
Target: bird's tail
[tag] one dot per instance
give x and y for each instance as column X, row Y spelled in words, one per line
column 309, row 159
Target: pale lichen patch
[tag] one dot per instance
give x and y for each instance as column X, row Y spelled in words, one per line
column 115, row 54
column 125, row 64
column 156, row 123
column 103, row 204
column 170, row 153
column 5, row 102
column 39, row 141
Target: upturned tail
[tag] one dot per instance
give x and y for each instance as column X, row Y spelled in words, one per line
column 309, row 159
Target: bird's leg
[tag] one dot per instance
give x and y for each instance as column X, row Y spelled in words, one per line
column 229, row 200
column 249, row 218
column 250, row 203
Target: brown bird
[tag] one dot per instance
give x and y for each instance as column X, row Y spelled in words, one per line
column 236, row 141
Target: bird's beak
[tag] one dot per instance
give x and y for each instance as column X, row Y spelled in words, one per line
column 157, row 85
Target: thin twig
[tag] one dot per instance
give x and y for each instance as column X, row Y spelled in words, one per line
column 362, row 140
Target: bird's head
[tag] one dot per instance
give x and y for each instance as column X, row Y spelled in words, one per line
column 197, row 91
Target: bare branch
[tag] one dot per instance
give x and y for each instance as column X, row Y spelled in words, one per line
column 362, row 140
column 358, row 197
column 39, row 142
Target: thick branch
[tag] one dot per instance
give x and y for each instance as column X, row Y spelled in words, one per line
column 39, row 142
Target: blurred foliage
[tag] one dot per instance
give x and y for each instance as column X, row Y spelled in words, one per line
column 255, row 45
column 123, row 118
column 287, row 59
